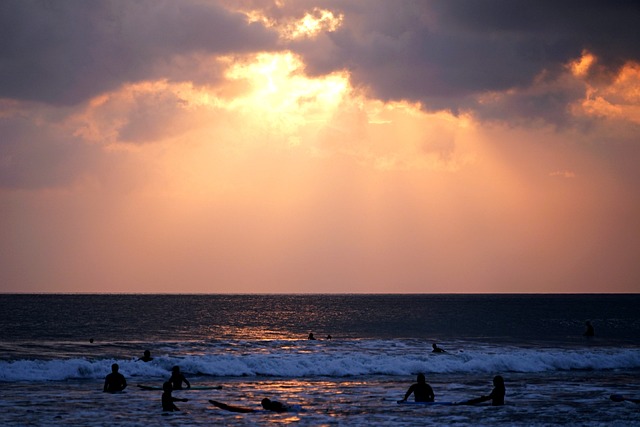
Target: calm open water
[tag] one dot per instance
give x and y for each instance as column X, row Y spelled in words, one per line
column 255, row 346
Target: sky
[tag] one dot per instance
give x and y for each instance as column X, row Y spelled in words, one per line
column 307, row 146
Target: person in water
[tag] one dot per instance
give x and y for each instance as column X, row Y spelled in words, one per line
column 168, row 399
column 589, row 332
column 177, row 378
column 147, row 356
column 422, row 392
column 311, row 337
column 273, row 405
column 437, row 349
column 115, row 381
column 496, row 397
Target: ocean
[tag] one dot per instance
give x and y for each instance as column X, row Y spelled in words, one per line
column 55, row 351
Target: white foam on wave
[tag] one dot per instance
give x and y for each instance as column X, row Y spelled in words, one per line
column 341, row 360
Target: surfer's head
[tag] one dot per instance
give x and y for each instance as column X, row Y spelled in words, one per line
column 421, row 378
column 498, row 381
column 266, row 402
column 115, row 367
column 167, row 386
column 176, row 369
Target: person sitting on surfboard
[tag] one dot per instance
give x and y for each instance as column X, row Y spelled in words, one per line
column 168, row 399
column 177, row 378
column 115, row 381
column 437, row 349
column 422, row 392
column 496, row 397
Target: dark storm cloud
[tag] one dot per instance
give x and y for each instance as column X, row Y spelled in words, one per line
column 444, row 53
column 64, row 52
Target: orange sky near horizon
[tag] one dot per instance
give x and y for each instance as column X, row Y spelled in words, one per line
column 272, row 180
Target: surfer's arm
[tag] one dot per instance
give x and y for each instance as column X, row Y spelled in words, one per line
column 408, row 393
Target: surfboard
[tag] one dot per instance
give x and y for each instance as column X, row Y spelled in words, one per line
column 194, row 387
column 232, row 408
column 408, row 402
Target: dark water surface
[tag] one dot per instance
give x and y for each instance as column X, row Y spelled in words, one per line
column 255, row 346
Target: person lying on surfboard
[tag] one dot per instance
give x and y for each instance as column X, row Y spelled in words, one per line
column 274, row 405
column 422, row 392
column 621, row 398
column 496, row 397
column 168, row 399
column 267, row 404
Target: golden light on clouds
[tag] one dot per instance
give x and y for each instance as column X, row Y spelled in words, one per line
column 580, row 67
column 617, row 99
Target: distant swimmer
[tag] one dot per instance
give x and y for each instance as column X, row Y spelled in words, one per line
column 147, row 356
column 437, row 349
column 311, row 337
column 496, row 397
column 115, row 381
column 177, row 378
column 422, row 392
column 168, row 399
column 329, row 336
column 91, row 340
column 589, row 332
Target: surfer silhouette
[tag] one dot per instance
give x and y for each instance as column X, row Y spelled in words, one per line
column 147, row 356
column 311, row 337
column 437, row 349
column 177, row 378
column 590, row 331
column 274, row 405
column 168, row 399
column 422, row 392
column 496, row 397
column 114, row 381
